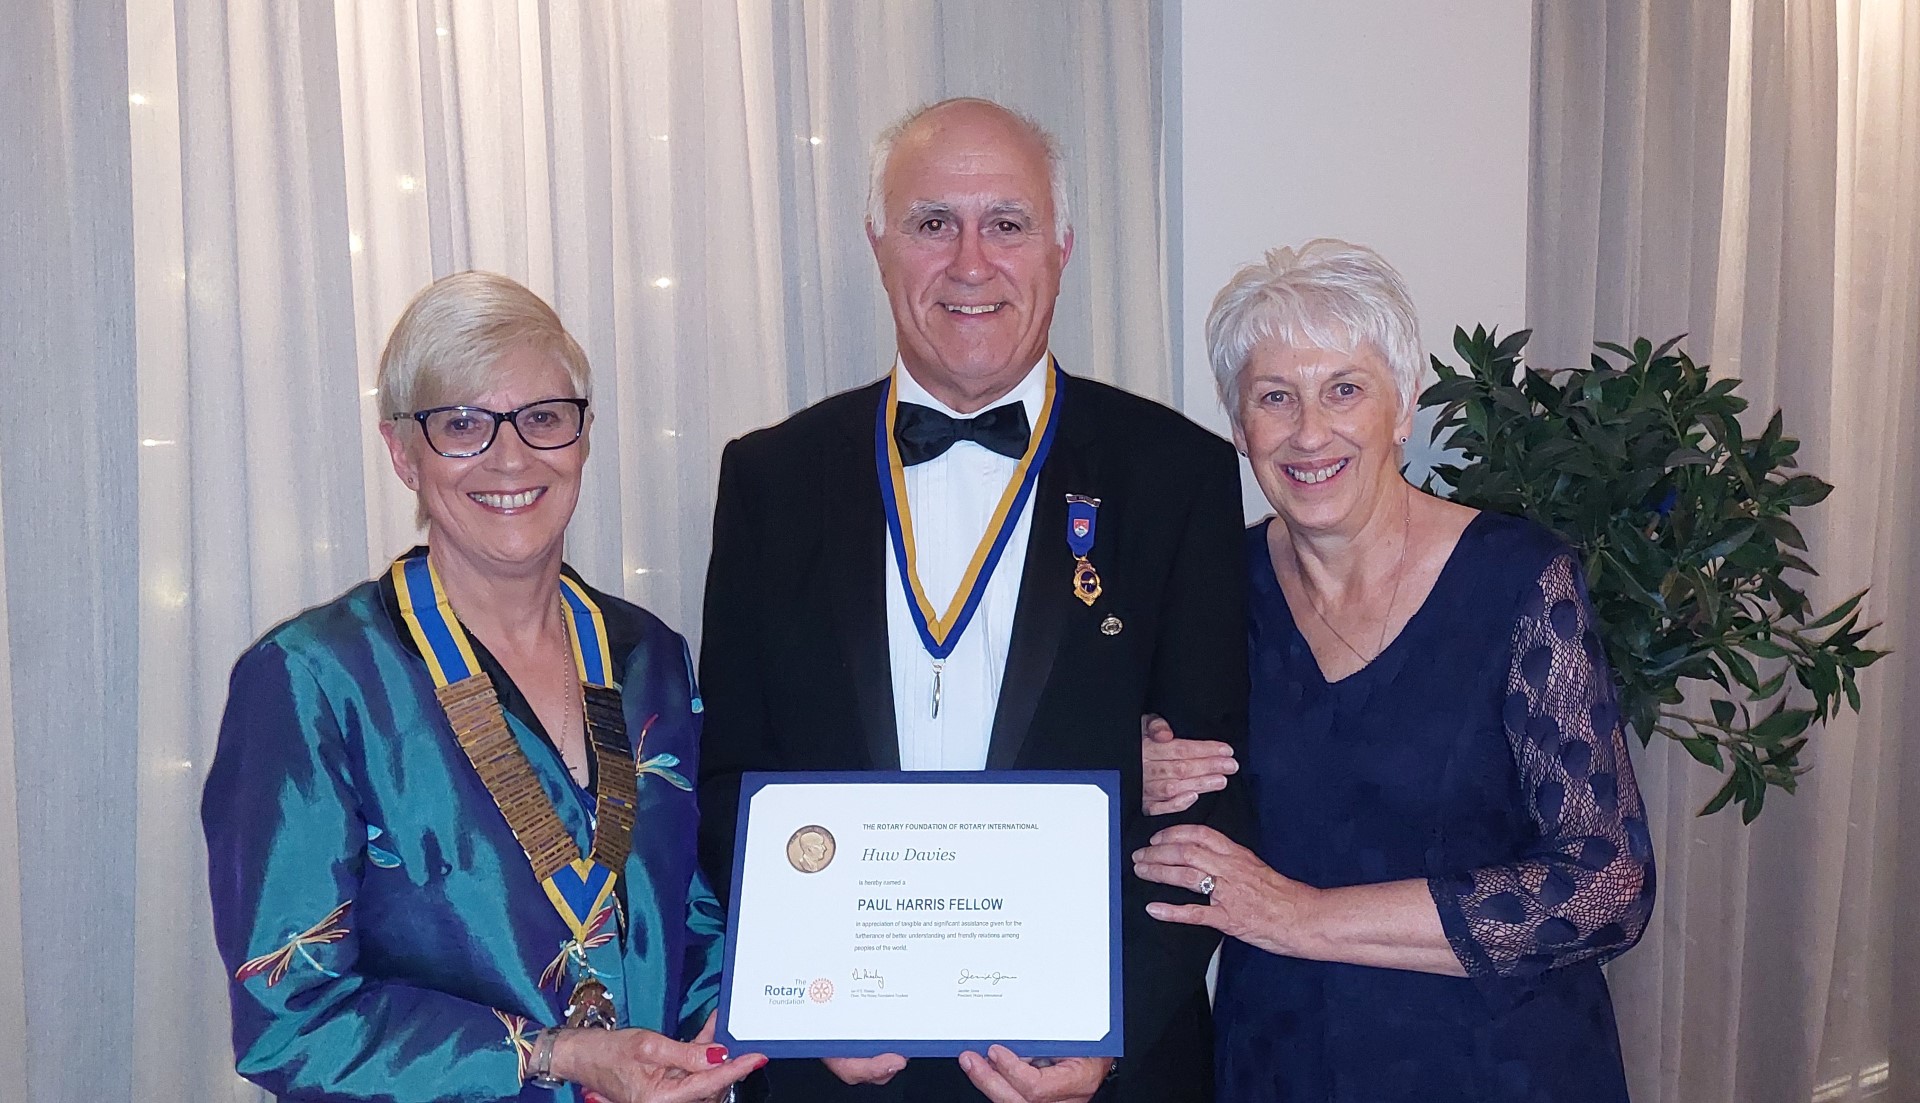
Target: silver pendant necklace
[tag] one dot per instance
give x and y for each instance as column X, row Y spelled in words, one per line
column 1393, row 599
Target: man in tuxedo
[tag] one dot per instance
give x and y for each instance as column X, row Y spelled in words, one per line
column 844, row 629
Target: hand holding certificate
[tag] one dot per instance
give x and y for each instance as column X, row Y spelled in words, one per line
column 925, row 915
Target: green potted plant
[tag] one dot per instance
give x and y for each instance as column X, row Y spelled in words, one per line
column 1684, row 523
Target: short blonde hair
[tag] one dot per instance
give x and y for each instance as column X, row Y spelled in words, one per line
column 443, row 349
column 1327, row 294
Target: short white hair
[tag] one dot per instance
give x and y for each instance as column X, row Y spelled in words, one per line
column 1326, row 294
column 444, row 348
column 882, row 152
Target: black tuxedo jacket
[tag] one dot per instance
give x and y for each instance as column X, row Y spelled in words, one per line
column 795, row 670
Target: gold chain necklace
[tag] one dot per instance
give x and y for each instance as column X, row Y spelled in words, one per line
column 1386, row 618
column 569, row 690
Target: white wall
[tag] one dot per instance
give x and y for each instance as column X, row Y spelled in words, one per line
column 1400, row 124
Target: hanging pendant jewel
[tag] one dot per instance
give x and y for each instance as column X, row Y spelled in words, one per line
column 591, row 1005
column 1086, row 582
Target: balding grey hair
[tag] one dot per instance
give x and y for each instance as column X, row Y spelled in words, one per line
column 1326, row 294
column 882, row 152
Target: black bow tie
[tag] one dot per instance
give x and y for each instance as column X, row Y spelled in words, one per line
column 924, row 432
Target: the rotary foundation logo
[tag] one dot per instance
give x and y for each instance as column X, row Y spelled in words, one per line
column 820, row 991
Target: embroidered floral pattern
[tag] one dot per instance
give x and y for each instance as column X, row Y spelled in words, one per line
column 660, row 765
column 518, row 1037
column 276, row 964
column 575, row 950
column 379, row 855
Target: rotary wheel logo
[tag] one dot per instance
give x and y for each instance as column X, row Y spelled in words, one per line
column 820, row 991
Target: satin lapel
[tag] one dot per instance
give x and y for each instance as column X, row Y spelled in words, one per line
column 856, row 566
column 1040, row 616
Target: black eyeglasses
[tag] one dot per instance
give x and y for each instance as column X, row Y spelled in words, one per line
column 459, row 432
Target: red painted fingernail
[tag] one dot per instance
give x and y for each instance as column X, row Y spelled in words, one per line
column 760, row 1062
column 716, row 1055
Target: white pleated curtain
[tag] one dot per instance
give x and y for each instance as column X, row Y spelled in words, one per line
column 1749, row 174
column 227, row 205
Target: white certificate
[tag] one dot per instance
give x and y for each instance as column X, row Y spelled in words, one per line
column 925, row 914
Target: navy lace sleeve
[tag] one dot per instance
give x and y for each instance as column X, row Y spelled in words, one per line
column 1585, row 887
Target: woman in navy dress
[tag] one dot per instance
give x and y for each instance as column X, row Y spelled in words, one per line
column 1450, row 839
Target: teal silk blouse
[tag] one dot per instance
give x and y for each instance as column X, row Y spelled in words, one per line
column 382, row 929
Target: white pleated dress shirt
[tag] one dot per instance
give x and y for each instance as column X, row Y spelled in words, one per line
column 952, row 498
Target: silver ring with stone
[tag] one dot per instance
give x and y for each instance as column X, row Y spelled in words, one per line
column 1206, row 884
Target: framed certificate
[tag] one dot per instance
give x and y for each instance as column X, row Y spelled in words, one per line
column 925, row 914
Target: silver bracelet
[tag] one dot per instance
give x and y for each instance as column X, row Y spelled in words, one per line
column 540, row 1065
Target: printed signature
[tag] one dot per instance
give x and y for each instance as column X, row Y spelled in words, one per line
column 968, row 976
column 872, row 975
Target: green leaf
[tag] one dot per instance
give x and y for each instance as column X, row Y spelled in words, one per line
column 1514, row 401
column 1514, row 342
column 1625, row 580
column 1782, row 724
column 1770, row 687
column 1688, row 531
column 1739, row 667
column 1793, row 562
column 1784, row 531
column 1838, row 613
column 1476, row 417
column 1865, row 657
column 1804, row 490
column 1720, row 798
column 1455, row 389
column 1703, row 750
column 1740, row 535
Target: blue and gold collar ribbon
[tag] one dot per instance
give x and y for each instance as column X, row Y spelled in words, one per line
column 589, row 635
column 940, row 631
column 580, row 886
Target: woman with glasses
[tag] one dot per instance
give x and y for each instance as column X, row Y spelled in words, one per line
column 450, row 826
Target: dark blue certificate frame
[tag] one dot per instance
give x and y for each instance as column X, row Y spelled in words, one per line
column 1112, row 1044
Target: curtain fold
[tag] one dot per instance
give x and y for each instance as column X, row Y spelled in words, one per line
column 1746, row 175
column 225, row 207
column 70, row 636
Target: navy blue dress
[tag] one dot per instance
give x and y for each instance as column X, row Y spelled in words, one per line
column 1482, row 753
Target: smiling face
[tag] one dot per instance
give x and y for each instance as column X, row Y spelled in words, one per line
column 504, row 511
column 1322, row 430
column 968, row 254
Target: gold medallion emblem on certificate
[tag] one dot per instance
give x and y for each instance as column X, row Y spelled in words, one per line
column 810, row 849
